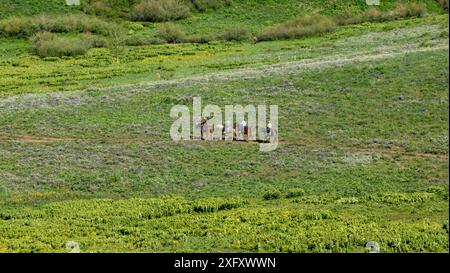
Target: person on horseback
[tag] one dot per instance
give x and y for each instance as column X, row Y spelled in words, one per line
column 204, row 127
column 269, row 127
column 241, row 127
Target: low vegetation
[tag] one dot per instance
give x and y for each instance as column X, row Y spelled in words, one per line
column 302, row 27
column 214, row 224
column 108, row 8
column 141, row 40
column 235, row 34
column 375, row 15
column 159, row 11
column 363, row 123
column 204, row 5
column 170, row 33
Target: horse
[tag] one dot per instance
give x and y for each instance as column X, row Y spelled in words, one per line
column 269, row 134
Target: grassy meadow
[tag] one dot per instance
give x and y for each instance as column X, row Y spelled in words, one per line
column 86, row 155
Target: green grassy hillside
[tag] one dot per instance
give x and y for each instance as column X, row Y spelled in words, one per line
column 86, row 156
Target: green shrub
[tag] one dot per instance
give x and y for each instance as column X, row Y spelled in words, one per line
column 159, row 11
column 140, row 40
column 236, row 34
column 28, row 26
column 170, row 33
column 78, row 23
column 46, row 44
column 295, row 192
column 305, row 26
column 16, row 27
column 135, row 26
column 272, row 194
column 372, row 14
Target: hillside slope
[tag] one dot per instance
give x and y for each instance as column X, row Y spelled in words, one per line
column 86, row 154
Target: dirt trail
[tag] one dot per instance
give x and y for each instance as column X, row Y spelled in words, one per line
column 389, row 152
column 34, row 139
column 393, row 152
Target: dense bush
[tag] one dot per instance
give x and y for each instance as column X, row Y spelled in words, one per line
column 236, row 34
column 170, row 33
column 159, row 11
column 272, row 194
column 16, row 27
column 316, row 24
column 372, row 14
column 46, row 44
column 28, row 26
column 409, row 10
column 305, row 26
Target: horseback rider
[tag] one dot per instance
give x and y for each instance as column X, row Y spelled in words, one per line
column 269, row 127
column 204, row 127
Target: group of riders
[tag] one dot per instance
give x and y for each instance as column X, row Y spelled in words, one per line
column 236, row 131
